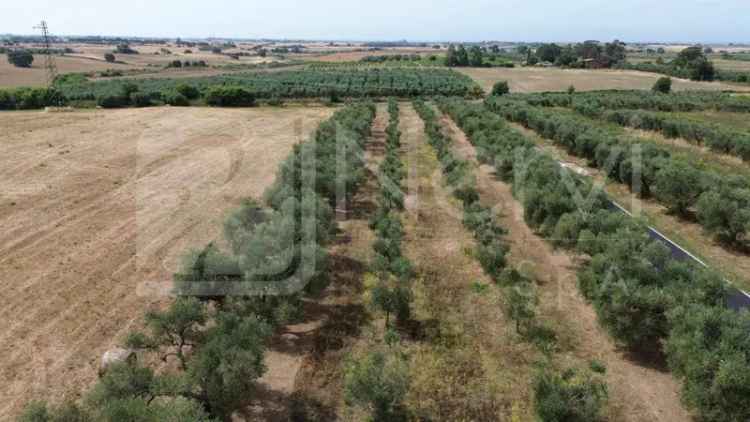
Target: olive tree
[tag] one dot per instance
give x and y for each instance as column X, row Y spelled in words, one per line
column 378, row 382
column 724, row 212
column 521, row 304
column 20, row 58
column 573, row 395
column 678, row 186
column 500, row 88
column 663, row 85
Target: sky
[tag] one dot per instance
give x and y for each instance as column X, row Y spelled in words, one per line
column 705, row 21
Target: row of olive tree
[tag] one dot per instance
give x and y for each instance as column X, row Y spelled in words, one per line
column 720, row 201
column 228, row 303
column 569, row 394
column 599, row 101
column 378, row 380
column 642, row 296
column 718, row 138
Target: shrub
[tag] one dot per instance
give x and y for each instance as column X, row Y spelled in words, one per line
column 570, row 396
column 188, row 91
column 20, row 58
column 109, row 57
column 174, row 98
column 378, row 382
column 492, row 257
column 229, row 96
column 113, row 101
column 139, row 99
column 500, row 88
column 663, row 85
column 30, row 98
column 124, row 49
column 521, row 304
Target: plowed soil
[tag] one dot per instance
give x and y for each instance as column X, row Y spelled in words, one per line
column 96, row 210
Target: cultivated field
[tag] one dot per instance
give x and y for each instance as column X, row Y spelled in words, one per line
column 95, row 203
column 532, row 79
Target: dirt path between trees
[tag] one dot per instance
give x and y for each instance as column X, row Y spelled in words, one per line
column 638, row 391
column 304, row 361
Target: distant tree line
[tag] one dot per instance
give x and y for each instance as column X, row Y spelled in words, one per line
column 691, row 63
column 585, row 54
column 475, row 56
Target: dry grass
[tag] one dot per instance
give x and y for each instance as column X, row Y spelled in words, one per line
column 733, row 120
column 318, row 386
column 737, row 65
column 471, row 365
column 534, row 79
column 97, row 203
column 637, row 392
column 733, row 265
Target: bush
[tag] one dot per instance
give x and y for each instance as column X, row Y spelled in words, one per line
column 113, row 101
column 124, row 49
column 572, row 396
column 20, row 58
column 663, row 85
column 500, row 88
column 228, row 96
column 139, row 99
column 30, row 98
column 378, row 382
column 174, row 98
column 188, row 91
column 109, row 57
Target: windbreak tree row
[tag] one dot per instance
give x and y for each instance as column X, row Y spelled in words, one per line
column 643, row 297
column 640, row 100
column 721, row 202
column 314, row 82
column 229, row 303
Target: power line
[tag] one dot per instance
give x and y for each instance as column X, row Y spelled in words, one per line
column 49, row 60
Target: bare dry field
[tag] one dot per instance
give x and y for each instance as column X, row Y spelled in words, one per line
column 96, row 203
column 11, row 76
column 533, row 79
column 90, row 58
